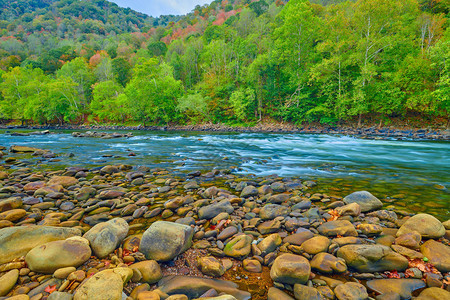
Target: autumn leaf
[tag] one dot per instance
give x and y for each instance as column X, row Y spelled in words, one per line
column 423, row 266
column 392, row 274
column 334, row 215
column 50, row 289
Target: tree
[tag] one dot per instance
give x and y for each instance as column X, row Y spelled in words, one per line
column 153, row 92
column 195, row 106
column 105, row 101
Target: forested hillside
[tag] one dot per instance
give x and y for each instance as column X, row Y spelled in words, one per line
column 233, row 61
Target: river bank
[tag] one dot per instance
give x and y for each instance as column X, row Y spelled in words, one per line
column 97, row 233
column 363, row 132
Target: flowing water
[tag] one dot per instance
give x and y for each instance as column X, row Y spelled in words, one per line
column 411, row 175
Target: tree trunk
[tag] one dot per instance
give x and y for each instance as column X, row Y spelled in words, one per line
column 359, row 120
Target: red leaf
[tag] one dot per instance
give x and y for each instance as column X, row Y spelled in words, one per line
column 392, row 274
column 50, row 289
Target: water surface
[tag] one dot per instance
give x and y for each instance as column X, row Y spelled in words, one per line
column 413, row 175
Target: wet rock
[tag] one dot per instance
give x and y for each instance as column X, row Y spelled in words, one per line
column 327, row 263
column 303, row 292
column 13, row 215
column 194, row 287
column 150, row 271
column 269, row 226
column 298, row 238
column 106, row 237
column 62, row 273
column 438, row 254
column 366, row 201
column 434, row 293
column 162, row 241
column 352, row 209
column 106, row 284
column 227, row 233
column 402, row 287
column 271, row 211
column 276, row 294
column 24, row 149
column 249, row 191
column 351, row 291
column 339, row 227
column 211, row 266
column 60, row 296
column 316, row 245
column 85, row 193
column 239, row 247
column 290, row 269
column 252, row 265
column 269, row 244
column 372, row 258
column 427, row 225
column 370, row 229
column 7, row 281
column 49, row 257
column 411, row 254
column 411, row 240
column 10, row 203
column 17, row 241
column 65, row 181
column 210, row 211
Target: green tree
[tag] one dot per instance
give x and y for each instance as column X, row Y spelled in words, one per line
column 106, row 102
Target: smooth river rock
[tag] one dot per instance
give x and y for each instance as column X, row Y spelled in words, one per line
column 49, row 257
column 7, row 281
column 351, row 291
column 210, row 211
column 402, row 287
column 239, row 247
column 339, row 227
column 106, row 284
column 194, row 287
column 291, row 269
column 163, row 240
column 106, row 237
column 427, row 225
column 438, row 254
column 17, row 241
column 366, row 201
column 372, row 258
column 433, row 293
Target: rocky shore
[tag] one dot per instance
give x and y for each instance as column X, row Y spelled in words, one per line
column 365, row 132
column 129, row 232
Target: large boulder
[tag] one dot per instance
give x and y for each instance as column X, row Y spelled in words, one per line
column 49, row 257
column 194, row 287
column 434, row 293
column 106, row 237
column 290, row 269
column 401, row 287
column 427, row 225
column 17, row 241
column 162, row 241
column 438, row 254
column 366, row 201
column 372, row 258
column 339, row 227
column 106, row 284
column 23, row 149
column 210, row 211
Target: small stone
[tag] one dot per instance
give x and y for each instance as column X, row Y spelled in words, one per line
column 7, row 281
column 410, row 240
column 327, row 263
column 426, row 225
column 252, row 265
column 366, row 201
column 438, row 254
column 238, row 247
column 303, row 292
column 290, row 269
column 339, row 227
column 402, row 287
column 211, row 266
column 316, row 245
column 62, row 273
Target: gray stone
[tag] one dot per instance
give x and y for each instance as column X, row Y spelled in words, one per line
column 106, row 237
column 163, row 241
column 271, row 211
column 339, row 227
column 210, row 211
column 366, row 201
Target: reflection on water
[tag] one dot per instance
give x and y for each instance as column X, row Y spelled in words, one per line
column 413, row 174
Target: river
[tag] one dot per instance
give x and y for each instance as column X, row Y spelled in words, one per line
column 410, row 175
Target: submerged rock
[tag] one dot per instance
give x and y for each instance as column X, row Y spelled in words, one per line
column 366, row 201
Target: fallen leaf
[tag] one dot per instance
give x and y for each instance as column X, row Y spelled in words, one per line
column 334, row 215
column 392, row 274
column 50, row 289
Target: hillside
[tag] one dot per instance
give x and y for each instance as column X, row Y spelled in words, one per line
column 232, row 61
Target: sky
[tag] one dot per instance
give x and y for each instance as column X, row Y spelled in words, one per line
column 156, row 8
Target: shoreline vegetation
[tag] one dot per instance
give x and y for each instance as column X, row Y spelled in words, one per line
column 103, row 233
column 396, row 132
